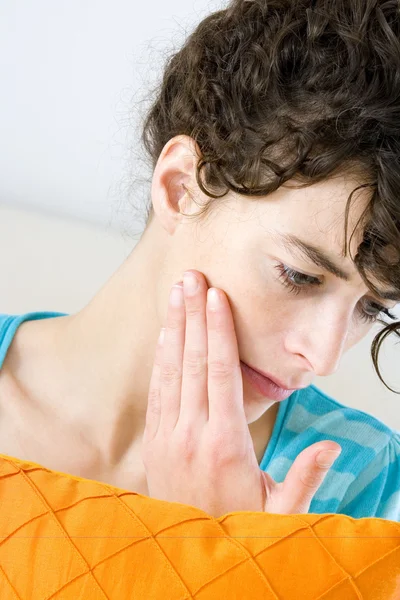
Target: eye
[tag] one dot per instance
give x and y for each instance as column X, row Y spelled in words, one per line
column 294, row 280
column 298, row 282
column 376, row 310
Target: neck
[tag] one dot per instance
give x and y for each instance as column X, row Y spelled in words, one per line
column 109, row 347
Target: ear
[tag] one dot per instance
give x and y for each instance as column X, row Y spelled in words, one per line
column 173, row 175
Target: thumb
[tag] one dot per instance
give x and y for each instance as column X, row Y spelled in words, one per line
column 306, row 476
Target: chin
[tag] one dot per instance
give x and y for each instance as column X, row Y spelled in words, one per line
column 255, row 405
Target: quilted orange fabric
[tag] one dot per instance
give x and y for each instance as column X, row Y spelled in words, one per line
column 67, row 538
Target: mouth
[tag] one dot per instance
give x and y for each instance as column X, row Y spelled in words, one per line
column 266, row 384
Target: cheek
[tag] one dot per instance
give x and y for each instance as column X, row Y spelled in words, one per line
column 261, row 307
column 356, row 333
column 258, row 322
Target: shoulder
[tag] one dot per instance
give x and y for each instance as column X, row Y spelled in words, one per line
column 369, row 465
column 22, row 337
column 376, row 489
column 365, row 479
column 15, row 331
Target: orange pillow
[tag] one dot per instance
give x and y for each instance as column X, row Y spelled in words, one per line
column 67, row 538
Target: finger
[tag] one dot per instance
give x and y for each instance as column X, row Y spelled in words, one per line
column 153, row 411
column 194, row 397
column 171, row 367
column 225, row 387
column 306, row 476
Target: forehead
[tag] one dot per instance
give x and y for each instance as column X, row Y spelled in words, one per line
column 318, row 212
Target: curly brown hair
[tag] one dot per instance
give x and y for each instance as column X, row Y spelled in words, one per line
column 273, row 90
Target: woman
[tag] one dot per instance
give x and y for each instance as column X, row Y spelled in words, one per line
column 280, row 121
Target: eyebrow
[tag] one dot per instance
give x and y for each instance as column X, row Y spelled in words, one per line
column 320, row 258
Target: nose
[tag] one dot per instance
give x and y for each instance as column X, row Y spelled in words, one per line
column 320, row 338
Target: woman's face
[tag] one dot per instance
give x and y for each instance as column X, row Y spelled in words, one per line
column 293, row 317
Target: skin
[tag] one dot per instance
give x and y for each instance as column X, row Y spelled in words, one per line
column 90, row 406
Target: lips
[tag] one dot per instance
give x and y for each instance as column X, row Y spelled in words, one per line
column 264, row 385
column 274, row 380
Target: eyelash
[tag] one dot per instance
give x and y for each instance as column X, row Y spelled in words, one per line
column 295, row 288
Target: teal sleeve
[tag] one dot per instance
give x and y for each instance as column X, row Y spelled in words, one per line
column 376, row 490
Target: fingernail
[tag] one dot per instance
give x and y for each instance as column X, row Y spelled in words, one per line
column 190, row 283
column 213, row 299
column 326, row 458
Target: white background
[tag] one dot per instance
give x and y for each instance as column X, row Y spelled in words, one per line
column 75, row 78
